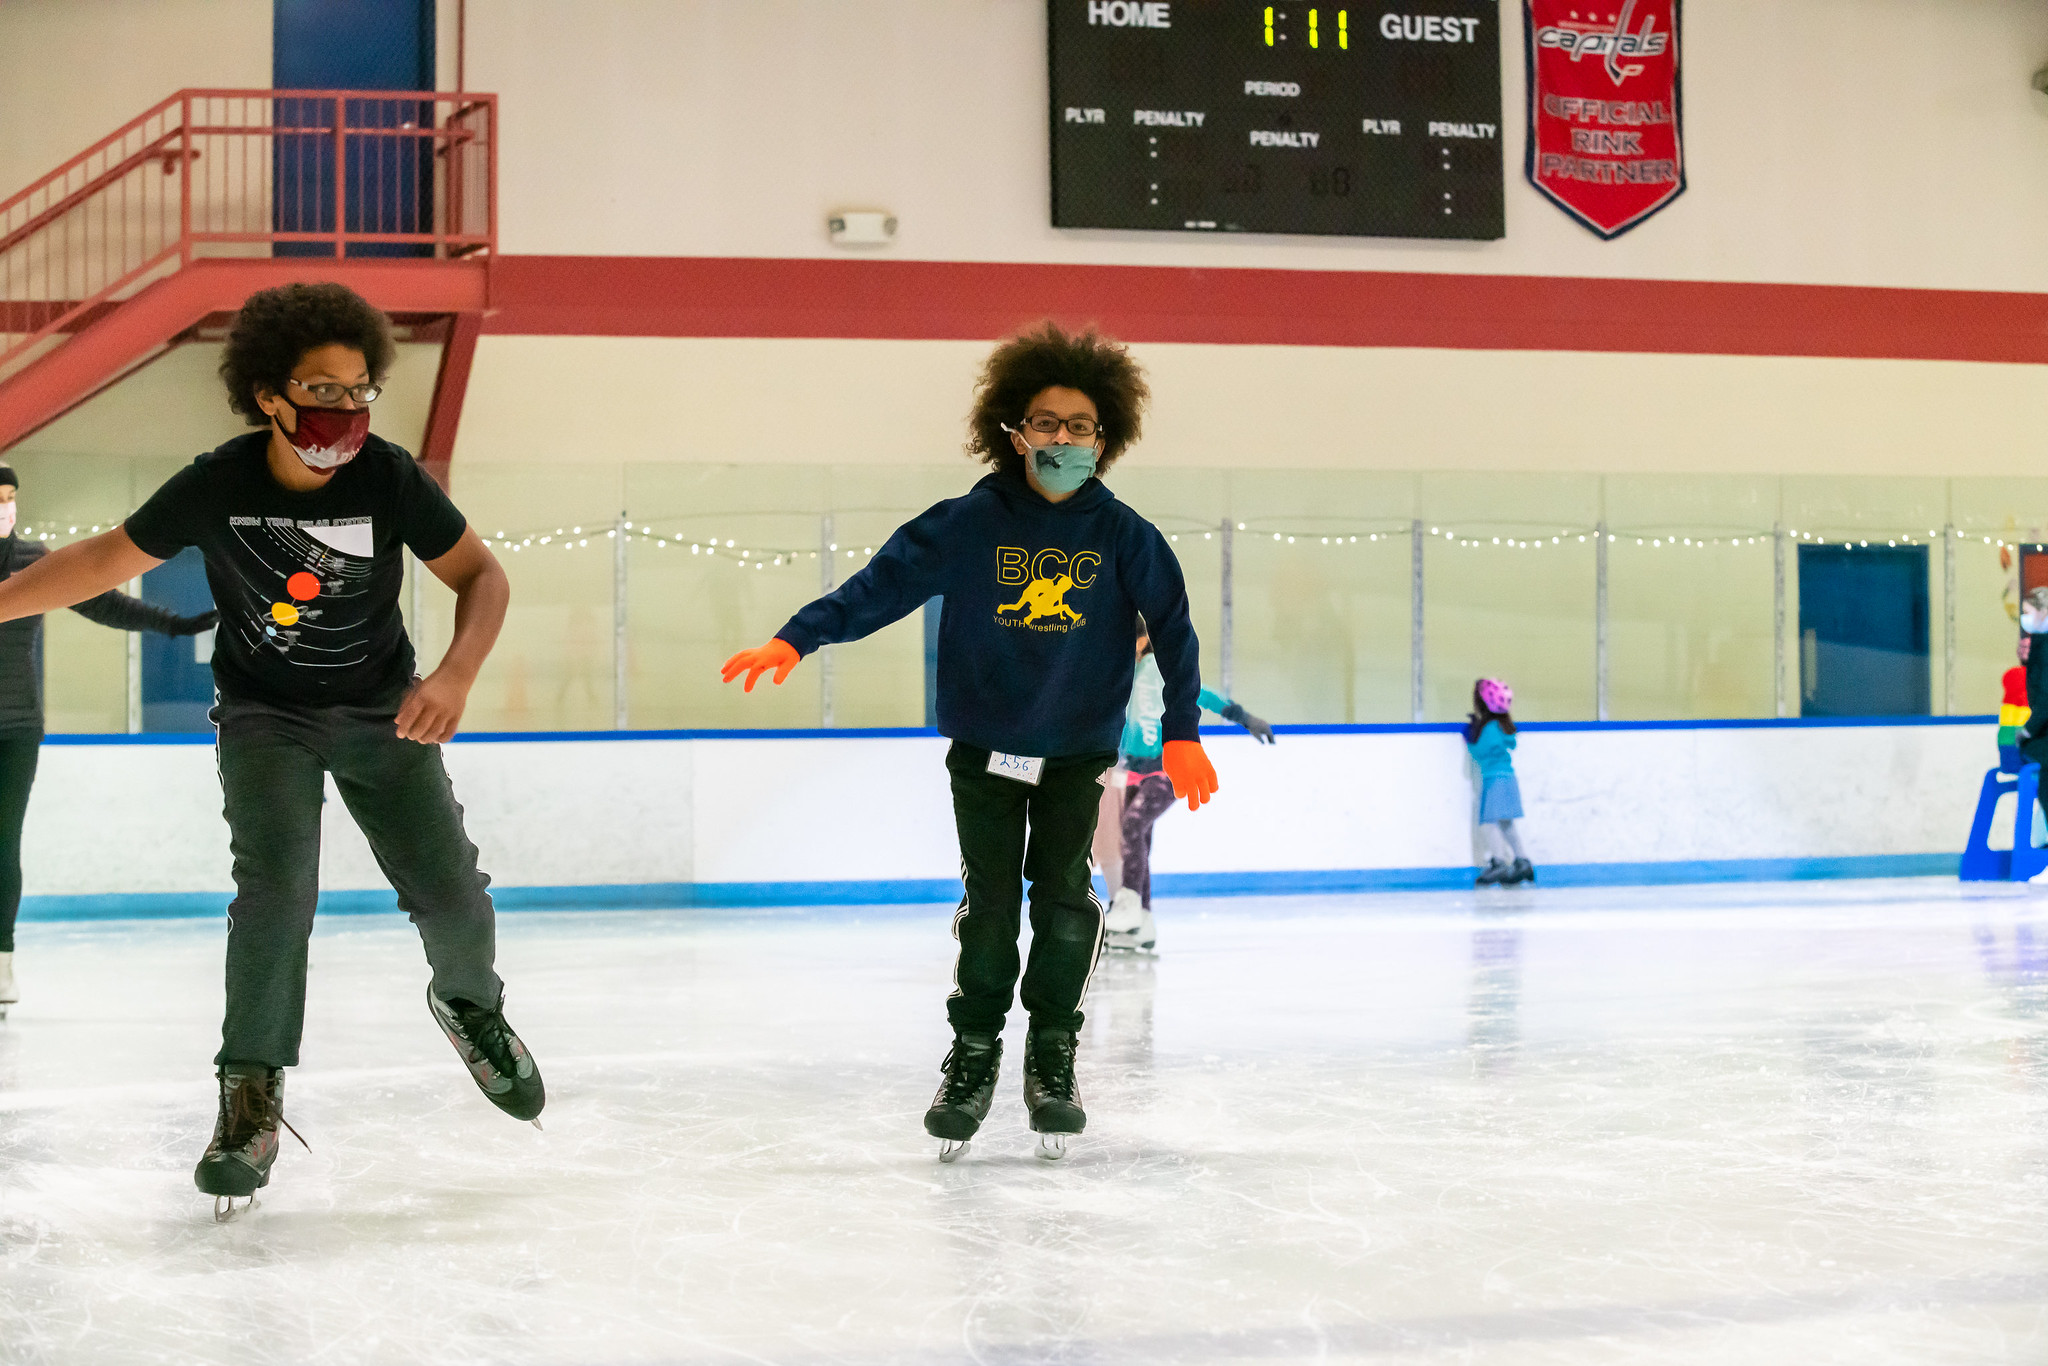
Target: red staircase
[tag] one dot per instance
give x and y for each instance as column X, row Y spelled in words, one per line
column 172, row 220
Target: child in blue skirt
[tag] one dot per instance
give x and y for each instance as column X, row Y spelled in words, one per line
column 1490, row 736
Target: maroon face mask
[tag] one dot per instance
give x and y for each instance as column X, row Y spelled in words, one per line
column 327, row 438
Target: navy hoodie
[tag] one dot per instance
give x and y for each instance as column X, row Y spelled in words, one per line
column 1037, row 639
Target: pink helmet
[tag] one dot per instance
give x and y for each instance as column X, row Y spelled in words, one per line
column 1495, row 695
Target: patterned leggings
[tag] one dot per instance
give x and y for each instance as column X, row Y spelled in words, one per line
column 1144, row 803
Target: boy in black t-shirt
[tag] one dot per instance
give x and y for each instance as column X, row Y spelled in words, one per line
column 302, row 525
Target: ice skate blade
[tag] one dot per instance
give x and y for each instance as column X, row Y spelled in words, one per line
column 951, row 1149
column 225, row 1208
column 1052, row 1147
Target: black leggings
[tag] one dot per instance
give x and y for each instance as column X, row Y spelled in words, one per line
column 17, row 775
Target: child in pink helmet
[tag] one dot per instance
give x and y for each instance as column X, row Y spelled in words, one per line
column 1490, row 737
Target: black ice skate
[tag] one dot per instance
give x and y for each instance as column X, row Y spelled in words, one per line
column 963, row 1099
column 244, row 1147
column 1493, row 874
column 503, row 1069
column 1051, row 1093
column 1522, row 871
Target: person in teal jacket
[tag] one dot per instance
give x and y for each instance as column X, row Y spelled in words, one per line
column 1490, row 737
column 1148, row 794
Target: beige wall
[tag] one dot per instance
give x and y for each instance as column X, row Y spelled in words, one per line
column 1884, row 142
column 723, row 400
column 72, row 71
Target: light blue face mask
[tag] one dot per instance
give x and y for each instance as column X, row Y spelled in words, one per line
column 1061, row 469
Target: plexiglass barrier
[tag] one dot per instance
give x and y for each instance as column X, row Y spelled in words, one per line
column 1319, row 596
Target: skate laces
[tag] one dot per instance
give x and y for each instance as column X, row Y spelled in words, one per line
column 1052, row 1062
column 967, row 1071
column 488, row 1032
column 250, row 1108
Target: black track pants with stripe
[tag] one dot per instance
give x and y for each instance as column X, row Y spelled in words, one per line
column 273, row 766
column 1012, row 833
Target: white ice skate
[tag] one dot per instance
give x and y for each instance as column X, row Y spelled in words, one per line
column 8, row 995
column 1129, row 925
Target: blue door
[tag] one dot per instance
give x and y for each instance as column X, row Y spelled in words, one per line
column 1863, row 631
column 353, row 45
column 177, row 671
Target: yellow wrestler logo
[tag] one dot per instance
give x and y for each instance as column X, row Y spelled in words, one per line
column 1044, row 579
column 1045, row 598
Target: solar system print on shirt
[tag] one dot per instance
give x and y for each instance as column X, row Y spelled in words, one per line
column 312, row 591
column 307, row 583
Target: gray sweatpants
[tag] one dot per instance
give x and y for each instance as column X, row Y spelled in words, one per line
column 272, row 760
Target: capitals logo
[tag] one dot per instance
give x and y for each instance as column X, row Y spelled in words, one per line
column 1613, row 41
column 1042, row 582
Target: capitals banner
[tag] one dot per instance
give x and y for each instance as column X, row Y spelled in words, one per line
column 1604, row 139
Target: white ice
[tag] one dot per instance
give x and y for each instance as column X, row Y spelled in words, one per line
column 1756, row 1124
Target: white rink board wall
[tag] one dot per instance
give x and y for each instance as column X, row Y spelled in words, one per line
column 134, row 819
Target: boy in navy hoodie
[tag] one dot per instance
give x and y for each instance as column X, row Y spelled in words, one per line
column 1044, row 575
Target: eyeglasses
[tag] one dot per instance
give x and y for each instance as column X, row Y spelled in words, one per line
column 331, row 394
column 1045, row 424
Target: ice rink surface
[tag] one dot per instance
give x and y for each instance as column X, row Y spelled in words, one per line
column 1757, row 1123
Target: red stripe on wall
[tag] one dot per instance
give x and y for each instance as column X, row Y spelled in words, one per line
column 946, row 300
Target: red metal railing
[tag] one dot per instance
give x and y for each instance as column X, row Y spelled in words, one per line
column 334, row 173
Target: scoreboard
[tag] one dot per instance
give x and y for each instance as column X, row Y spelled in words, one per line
column 1366, row 120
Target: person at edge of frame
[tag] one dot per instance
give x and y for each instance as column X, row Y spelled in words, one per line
column 21, row 702
column 302, row 525
column 1044, row 574
column 2033, row 734
column 1147, row 796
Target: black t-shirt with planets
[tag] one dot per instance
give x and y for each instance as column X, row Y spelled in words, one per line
column 307, row 583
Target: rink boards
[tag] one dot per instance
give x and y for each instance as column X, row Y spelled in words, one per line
column 125, row 826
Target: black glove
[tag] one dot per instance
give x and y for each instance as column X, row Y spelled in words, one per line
column 1261, row 732
column 192, row 626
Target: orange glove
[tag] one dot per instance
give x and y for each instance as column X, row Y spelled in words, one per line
column 778, row 654
column 1194, row 777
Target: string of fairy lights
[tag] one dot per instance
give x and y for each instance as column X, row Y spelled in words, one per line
column 1650, row 539
column 571, row 537
column 730, row 549
column 751, row 555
